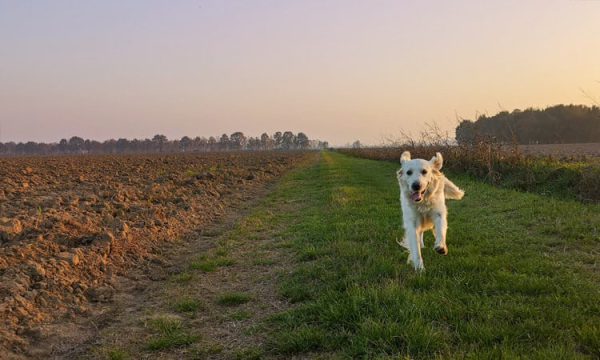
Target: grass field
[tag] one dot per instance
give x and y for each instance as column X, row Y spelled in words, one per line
column 313, row 271
column 521, row 278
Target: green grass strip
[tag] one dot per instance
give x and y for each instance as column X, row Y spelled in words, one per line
column 521, row 278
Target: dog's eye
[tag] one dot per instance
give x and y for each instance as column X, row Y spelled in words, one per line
column 409, row 172
column 424, row 172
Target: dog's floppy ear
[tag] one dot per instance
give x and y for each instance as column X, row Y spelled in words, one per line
column 404, row 157
column 437, row 161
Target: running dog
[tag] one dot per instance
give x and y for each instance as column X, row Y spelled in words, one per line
column 423, row 193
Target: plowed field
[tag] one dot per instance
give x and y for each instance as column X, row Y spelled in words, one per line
column 69, row 225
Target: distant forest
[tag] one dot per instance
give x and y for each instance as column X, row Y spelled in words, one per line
column 553, row 125
column 160, row 144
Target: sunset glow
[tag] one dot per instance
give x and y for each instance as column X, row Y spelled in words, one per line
column 337, row 70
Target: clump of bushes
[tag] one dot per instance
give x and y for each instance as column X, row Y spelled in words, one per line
column 501, row 165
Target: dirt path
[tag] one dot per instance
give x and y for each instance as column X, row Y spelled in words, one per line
column 204, row 300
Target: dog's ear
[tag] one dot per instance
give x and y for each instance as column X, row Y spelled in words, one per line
column 437, row 161
column 404, row 157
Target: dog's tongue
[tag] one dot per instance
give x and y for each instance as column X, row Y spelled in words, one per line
column 416, row 196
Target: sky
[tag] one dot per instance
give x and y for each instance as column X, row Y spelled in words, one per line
column 338, row 70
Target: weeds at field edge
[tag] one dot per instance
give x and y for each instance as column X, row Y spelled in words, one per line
column 503, row 167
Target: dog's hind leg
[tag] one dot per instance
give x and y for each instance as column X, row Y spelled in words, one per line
column 421, row 240
column 441, row 226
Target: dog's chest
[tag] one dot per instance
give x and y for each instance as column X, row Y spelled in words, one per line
column 424, row 208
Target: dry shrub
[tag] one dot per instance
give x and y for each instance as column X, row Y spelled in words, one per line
column 497, row 164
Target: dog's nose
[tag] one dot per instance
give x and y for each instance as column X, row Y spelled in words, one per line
column 416, row 186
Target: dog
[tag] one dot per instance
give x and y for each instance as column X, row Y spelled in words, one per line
column 423, row 193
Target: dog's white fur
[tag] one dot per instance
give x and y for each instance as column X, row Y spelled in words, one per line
column 423, row 193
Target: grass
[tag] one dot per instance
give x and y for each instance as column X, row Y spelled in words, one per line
column 521, row 278
column 240, row 315
column 249, row 354
column 204, row 350
column 209, row 265
column 263, row 262
column 182, row 277
column 233, row 299
column 171, row 334
column 188, row 305
column 117, row 354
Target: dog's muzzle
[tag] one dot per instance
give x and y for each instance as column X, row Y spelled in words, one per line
column 417, row 196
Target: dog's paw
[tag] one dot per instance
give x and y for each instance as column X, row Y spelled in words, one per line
column 443, row 250
column 419, row 268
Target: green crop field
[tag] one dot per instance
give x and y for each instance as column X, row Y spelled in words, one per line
column 521, row 278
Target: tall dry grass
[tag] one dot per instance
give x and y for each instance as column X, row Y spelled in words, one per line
column 499, row 165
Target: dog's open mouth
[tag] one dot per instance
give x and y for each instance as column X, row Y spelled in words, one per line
column 417, row 196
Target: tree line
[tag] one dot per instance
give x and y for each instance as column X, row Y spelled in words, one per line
column 552, row 125
column 236, row 141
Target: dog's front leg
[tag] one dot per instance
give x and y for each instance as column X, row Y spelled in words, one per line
column 413, row 239
column 441, row 226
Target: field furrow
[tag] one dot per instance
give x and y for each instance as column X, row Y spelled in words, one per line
column 69, row 226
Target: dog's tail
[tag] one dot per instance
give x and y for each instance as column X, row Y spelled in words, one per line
column 402, row 243
column 452, row 191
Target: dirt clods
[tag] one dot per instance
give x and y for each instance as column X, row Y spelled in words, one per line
column 70, row 224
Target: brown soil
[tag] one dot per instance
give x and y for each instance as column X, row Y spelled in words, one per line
column 73, row 229
column 257, row 255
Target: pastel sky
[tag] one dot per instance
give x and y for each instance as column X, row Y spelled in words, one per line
column 339, row 70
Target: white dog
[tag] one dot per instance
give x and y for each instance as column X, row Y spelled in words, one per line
column 423, row 193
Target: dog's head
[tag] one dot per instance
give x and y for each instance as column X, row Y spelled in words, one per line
column 417, row 176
